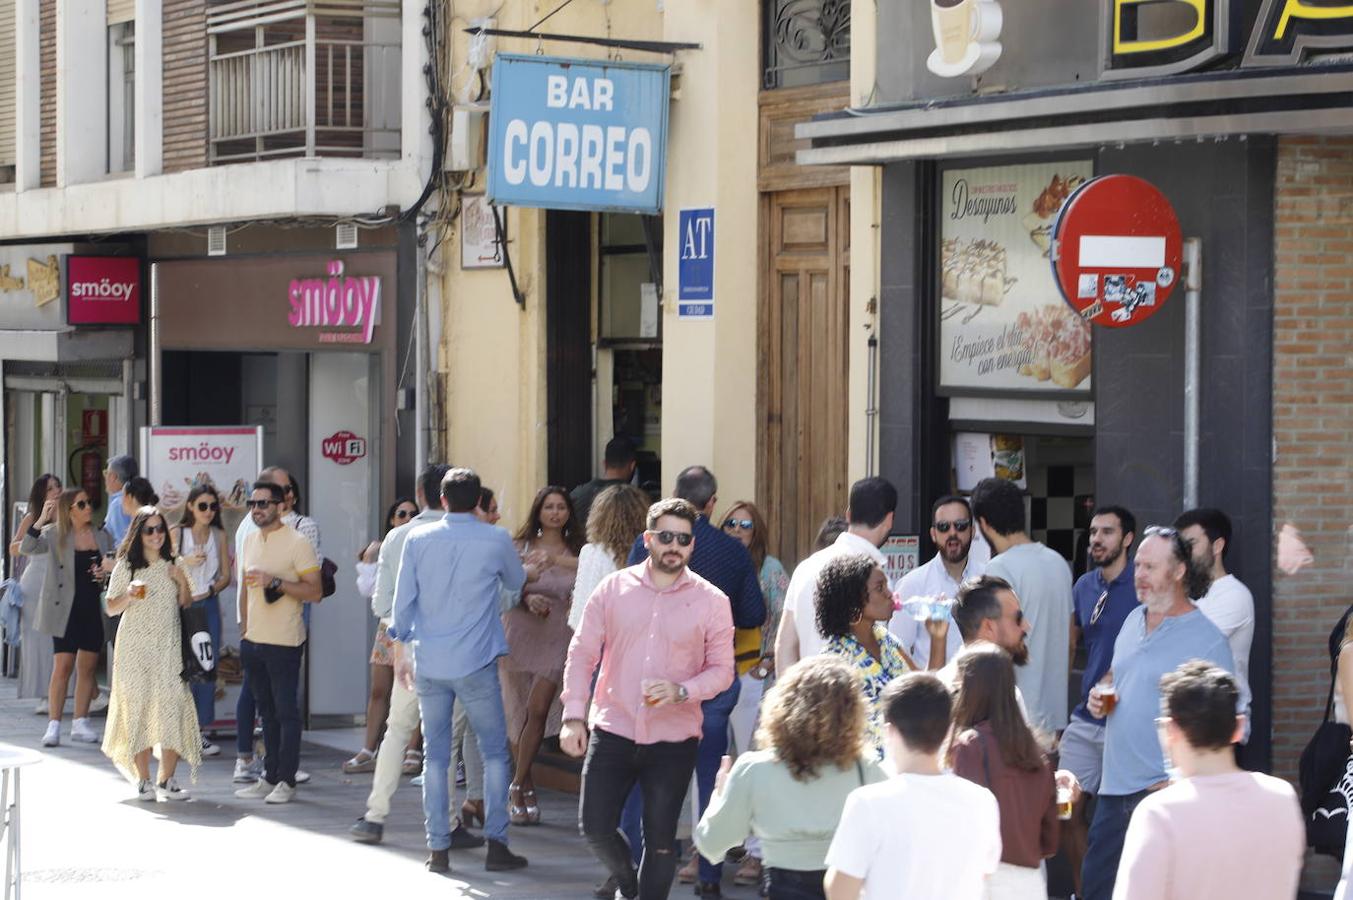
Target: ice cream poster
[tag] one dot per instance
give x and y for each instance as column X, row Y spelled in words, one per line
column 1004, row 327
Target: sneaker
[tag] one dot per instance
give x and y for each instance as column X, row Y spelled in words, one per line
column 169, row 791
column 145, row 790
column 82, row 731
column 256, row 791
column 302, row 776
column 281, row 794
column 245, row 772
column 210, row 749
column 100, row 702
column 41, row 708
column 365, row 832
column 52, row 736
column 416, row 781
column 501, row 859
column 608, row 889
column 464, row 839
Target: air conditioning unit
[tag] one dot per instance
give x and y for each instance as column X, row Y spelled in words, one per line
column 345, row 236
column 216, row 240
column 468, row 127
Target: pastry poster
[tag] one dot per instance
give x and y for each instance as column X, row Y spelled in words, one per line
column 1004, row 327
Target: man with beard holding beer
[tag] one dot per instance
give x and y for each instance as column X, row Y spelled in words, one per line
column 951, row 529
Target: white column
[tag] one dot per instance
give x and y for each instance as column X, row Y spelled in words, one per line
column 149, row 50
column 81, row 92
column 415, row 142
column 27, row 96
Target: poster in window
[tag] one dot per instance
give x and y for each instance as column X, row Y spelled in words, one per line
column 1004, row 328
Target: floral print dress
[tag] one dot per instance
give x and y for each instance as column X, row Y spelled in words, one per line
column 875, row 673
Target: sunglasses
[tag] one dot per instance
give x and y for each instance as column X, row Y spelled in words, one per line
column 203, row 506
column 744, row 524
column 259, row 504
column 960, row 526
column 155, row 529
column 1099, row 607
column 402, row 514
column 81, row 504
column 683, row 538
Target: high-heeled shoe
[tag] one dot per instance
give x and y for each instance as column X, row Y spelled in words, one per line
column 470, row 811
column 516, row 808
column 532, row 807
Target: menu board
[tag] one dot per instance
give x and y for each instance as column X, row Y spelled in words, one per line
column 1004, row 328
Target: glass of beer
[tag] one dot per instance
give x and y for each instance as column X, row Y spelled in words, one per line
column 1108, row 696
column 1063, row 802
column 137, row 590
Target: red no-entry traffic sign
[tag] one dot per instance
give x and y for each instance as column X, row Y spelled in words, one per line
column 1116, row 250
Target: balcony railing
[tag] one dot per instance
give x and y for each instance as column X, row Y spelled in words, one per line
column 304, row 78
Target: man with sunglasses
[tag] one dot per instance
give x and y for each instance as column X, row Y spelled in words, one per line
column 951, row 529
column 1103, row 597
column 1165, row 631
column 667, row 636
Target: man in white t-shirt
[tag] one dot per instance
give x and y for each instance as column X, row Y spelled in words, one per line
column 1228, row 604
column 872, row 503
column 1041, row 579
column 951, row 528
column 924, row 834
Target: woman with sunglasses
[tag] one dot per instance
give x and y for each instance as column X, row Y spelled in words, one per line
column 35, row 662
column 754, row 648
column 382, row 663
column 68, row 604
column 200, row 543
column 151, row 705
column 853, row 608
column 537, row 638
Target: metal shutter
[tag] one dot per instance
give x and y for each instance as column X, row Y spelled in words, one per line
column 119, row 11
column 8, row 154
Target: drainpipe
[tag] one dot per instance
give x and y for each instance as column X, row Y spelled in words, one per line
column 1193, row 286
column 420, row 359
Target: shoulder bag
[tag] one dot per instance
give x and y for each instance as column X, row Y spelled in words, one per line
column 1325, row 775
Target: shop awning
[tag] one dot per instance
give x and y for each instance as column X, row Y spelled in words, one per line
column 1206, row 106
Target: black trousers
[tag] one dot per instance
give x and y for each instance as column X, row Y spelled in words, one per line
column 792, row 884
column 663, row 772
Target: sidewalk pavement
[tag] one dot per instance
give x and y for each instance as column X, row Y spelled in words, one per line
column 84, row 829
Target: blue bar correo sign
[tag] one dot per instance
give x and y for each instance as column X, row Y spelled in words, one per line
column 695, row 264
column 577, row 134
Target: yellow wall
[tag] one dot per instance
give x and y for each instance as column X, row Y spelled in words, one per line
column 492, row 355
column 865, row 208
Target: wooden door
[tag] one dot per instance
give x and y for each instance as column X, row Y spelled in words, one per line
column 804, row 351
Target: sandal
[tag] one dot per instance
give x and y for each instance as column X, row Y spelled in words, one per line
column 686, row 874
column 532, row 807
column 749, row 873
column 364, row 761
column 516, row 807
column 413, row 762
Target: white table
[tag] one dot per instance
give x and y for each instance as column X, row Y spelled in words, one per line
column 12, row 759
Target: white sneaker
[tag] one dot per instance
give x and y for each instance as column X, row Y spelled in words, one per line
column 82, row 731
column 210, row 749
column 416, row 781
column 302, row 776
column 41, row 708
column 100, row 702
column 244, row 773
column 256, row 791
column 52, row 737
column 169, row 791
column 280, row 794
column 145, row 790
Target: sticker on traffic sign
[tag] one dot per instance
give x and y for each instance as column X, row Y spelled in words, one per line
column 1116, row 250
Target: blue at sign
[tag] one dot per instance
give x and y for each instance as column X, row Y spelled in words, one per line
column 577, row 134
column 695, row 264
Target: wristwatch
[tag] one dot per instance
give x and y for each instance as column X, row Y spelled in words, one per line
column 682, row 694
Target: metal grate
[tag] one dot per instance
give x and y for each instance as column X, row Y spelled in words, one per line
column 805, row 42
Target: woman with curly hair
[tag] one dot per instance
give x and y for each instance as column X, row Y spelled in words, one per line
column 790, row 792
column 854, row 606
column 538, row 635
column 616, row 518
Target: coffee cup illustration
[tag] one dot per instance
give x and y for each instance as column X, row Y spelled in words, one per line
column 967, row 36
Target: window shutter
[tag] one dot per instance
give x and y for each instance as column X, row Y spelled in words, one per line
column 8, row 152
column 119, row 11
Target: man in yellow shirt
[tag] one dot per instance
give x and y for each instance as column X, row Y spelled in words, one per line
column 281, row 573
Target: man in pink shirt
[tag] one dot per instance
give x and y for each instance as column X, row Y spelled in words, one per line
column 664, row 639
column 1218, row 832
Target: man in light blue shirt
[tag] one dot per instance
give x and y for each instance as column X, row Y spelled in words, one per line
column 121, row 469
column 446, row 606
column 1157, row 637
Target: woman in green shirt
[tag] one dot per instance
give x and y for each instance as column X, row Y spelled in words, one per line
column 790, row 793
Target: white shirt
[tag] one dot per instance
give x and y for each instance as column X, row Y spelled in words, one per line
column 927, row 581
column 594, row 563
column 1229, row 605
column 1042, row 581
column 802, row 590
column 919, row 837
column 949, row 675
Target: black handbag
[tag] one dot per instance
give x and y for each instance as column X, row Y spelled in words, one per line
column 1325, row 775
column 199, row 656
column 328, row 572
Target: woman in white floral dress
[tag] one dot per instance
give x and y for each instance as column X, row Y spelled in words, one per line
column 150, row 704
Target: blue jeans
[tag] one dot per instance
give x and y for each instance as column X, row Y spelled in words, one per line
column 713, row 746
column 482, row 698
column 204, row 695
column 275, row 677
column 1099, row 871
